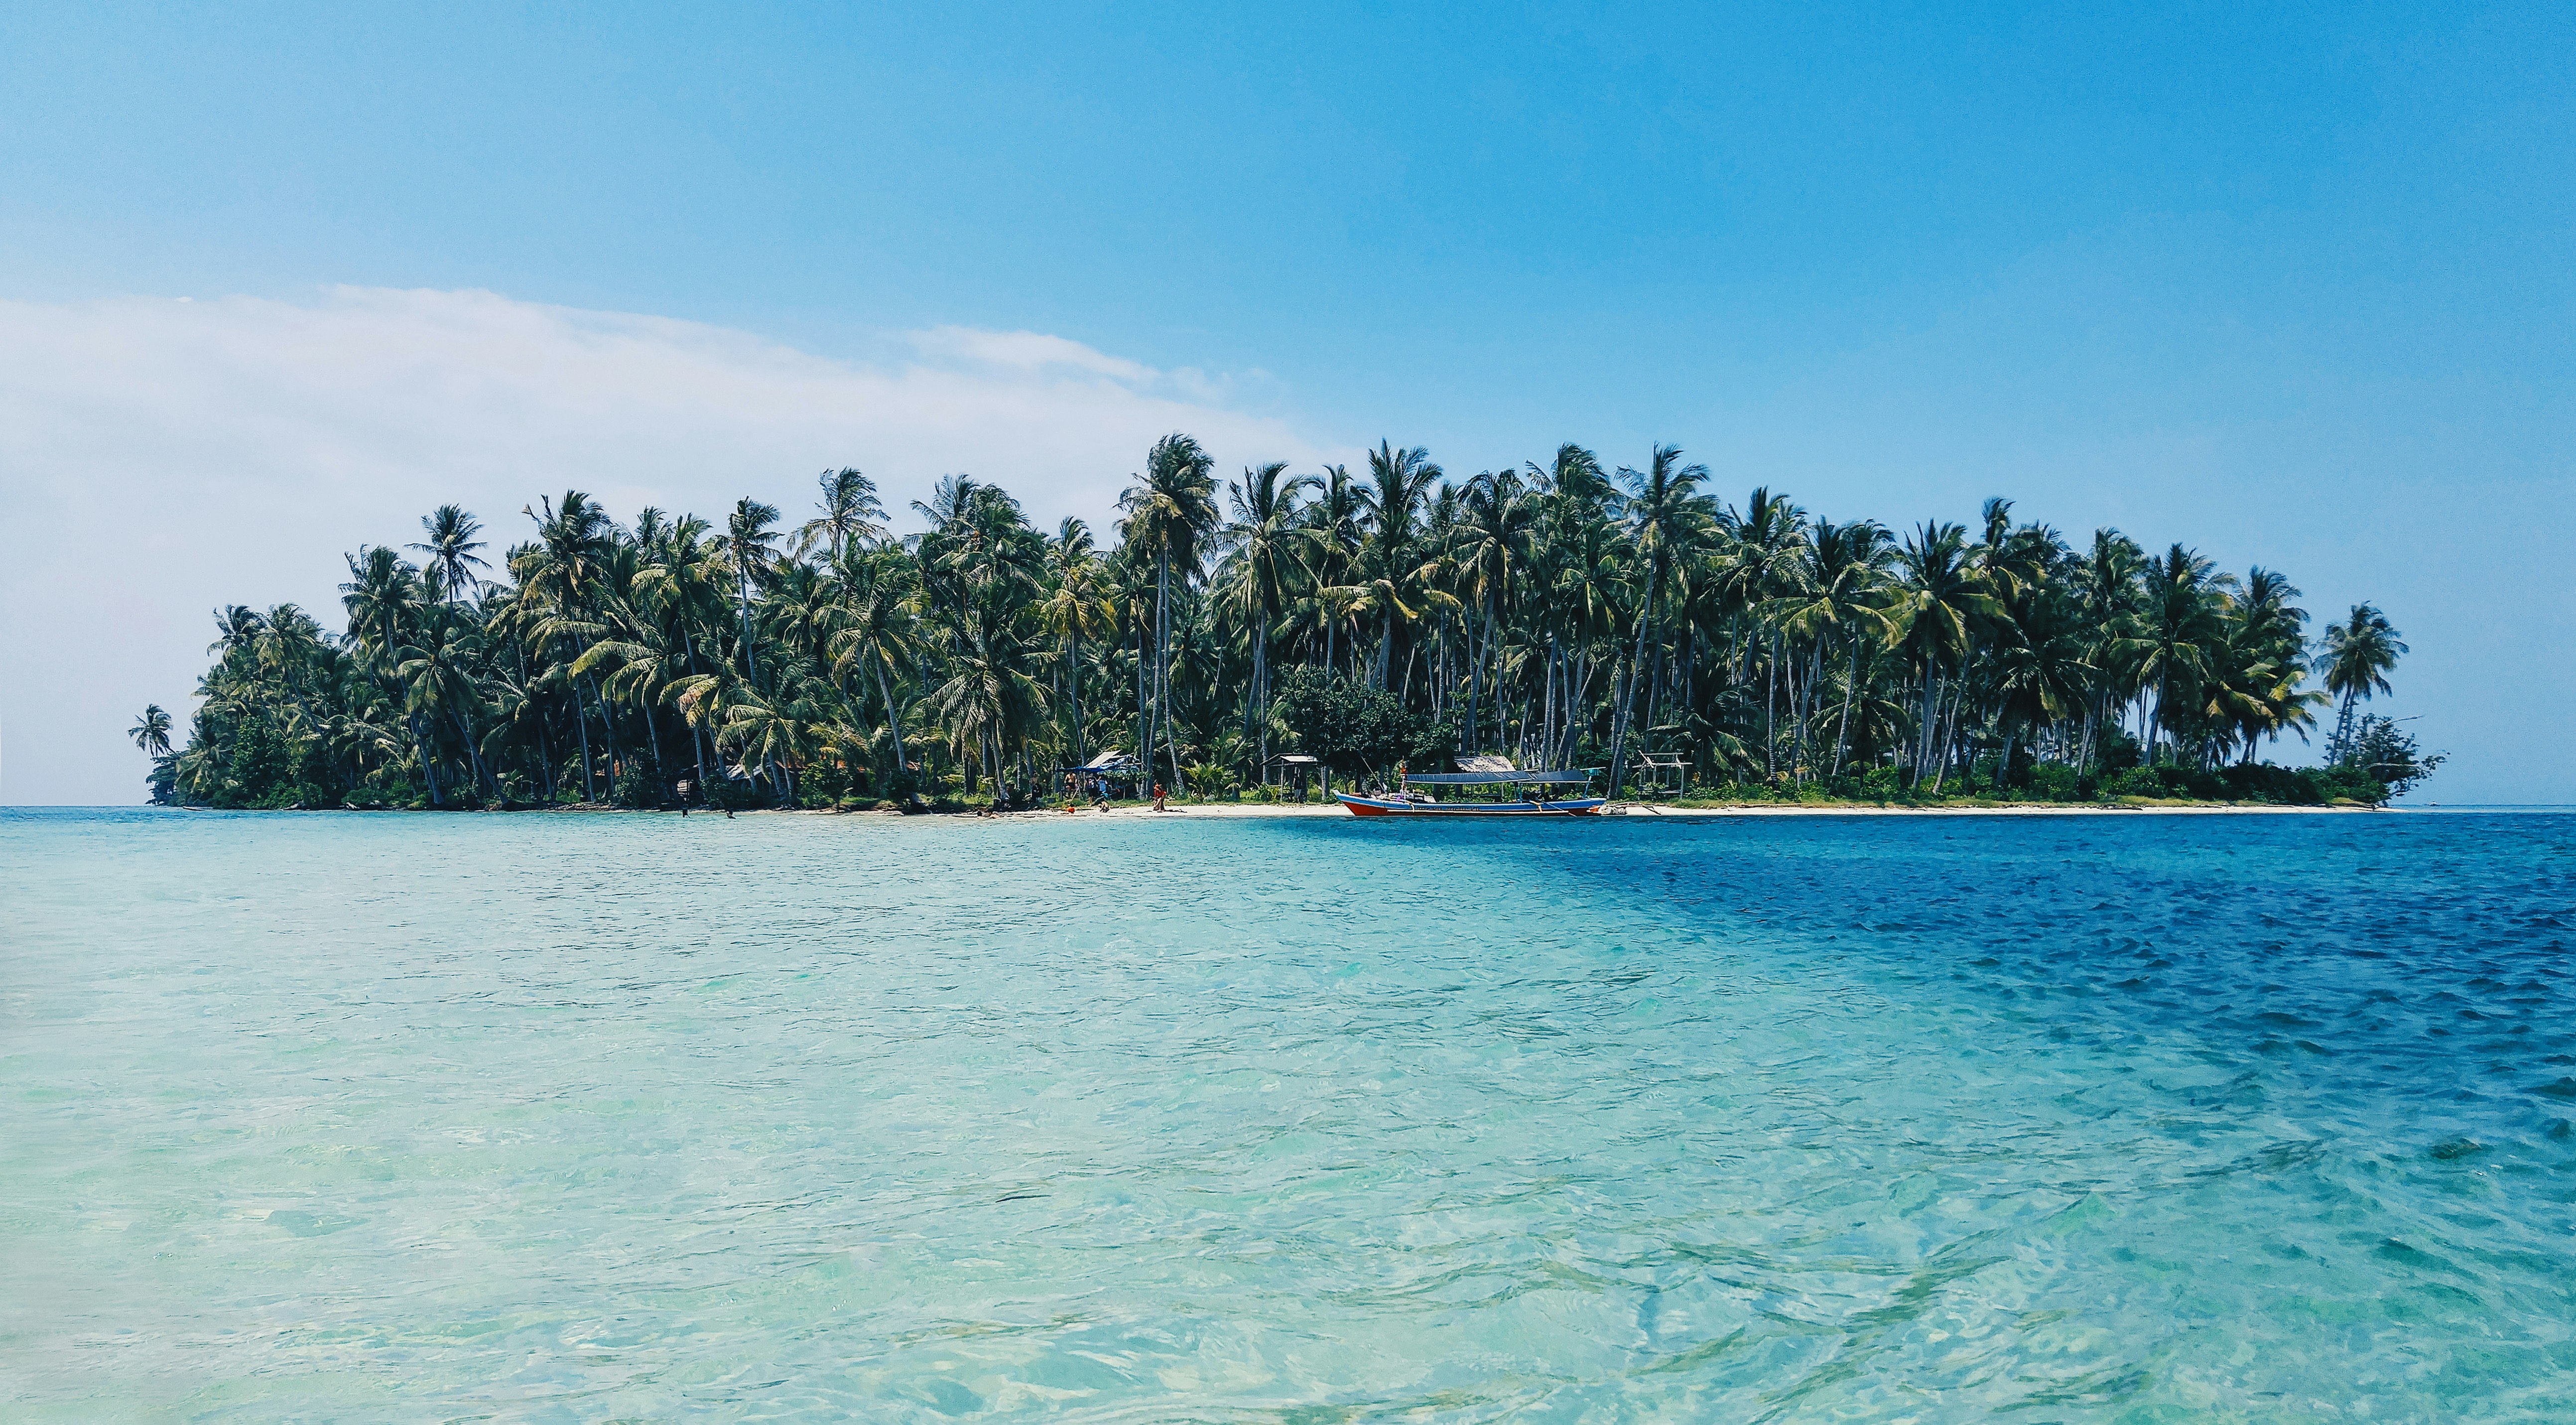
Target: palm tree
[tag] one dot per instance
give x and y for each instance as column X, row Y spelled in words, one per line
column 1332, row 525
column 2358, row 654
column 2250, row 687
column 1844, row 590
column 437, row 670
column 1399, row 481
column 1550, row 609
column 780, row 733
column 1171, row 512
column 151, row 732
column 1666, row 518
column 1498, row 519
column 1766, row 560
column 989, row 703
column 558, row 578
column 2039, row 673
column 747, row 545
column 1938, row 608
column 877, row 594
column 2108, row 584
column 383, row 599
column 850, row 510
column 1263, row 546
column 644, row 664
column 680, row 589
column 2173, row 638
column 450, row 549
column 237, row 629
column 1077, row 610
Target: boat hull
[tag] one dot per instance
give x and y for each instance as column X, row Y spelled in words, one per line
column 1386, row 806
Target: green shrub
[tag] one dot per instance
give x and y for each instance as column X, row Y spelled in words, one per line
column 2056, row 782
column 2264, row 783
column 2135, row 782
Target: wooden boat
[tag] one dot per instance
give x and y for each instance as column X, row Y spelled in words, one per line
column 1401, row 805
column 1479, row 772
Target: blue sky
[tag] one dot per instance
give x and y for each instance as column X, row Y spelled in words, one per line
column 2289, row 284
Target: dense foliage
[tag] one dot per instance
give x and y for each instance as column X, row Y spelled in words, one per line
column 1562, row 614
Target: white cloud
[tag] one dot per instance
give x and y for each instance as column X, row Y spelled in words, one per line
column 160, row 457
column 1028, row 351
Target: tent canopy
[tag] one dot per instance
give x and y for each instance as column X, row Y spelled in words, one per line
column 1506, row 778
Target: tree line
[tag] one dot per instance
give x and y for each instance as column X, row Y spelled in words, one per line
column 1565, row 614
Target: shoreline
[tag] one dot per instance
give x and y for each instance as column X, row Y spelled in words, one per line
column 1692, row 813
column 1235, row 811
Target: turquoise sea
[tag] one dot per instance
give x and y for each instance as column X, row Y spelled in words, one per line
column 2133, row 1118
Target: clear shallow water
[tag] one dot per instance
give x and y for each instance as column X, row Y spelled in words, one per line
column 2116, row 1119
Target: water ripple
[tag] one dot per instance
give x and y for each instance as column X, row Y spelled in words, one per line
column 576, row 1118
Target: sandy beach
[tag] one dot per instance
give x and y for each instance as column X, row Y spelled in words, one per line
column 1255, row 809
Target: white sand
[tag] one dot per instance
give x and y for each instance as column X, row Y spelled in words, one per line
column 1257, row 809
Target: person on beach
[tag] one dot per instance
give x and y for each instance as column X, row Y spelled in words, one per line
column 1158, row 798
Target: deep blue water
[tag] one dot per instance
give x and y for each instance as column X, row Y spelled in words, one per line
column 2115, row 1118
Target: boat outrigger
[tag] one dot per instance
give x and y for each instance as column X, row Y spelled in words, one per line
column 1533, row 788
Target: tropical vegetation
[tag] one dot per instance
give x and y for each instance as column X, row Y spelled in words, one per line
column 1564, row 613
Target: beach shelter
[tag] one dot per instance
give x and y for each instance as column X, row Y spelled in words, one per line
column 1298, row 765
column 1662, row 774
column 1097, row 776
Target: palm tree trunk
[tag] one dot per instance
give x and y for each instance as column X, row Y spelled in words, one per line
column 1073, row 676
column 1842, row 729
column 1547, row 706
column 1619, row 729
column 894, row 721
column 1951, row 731
column 1926, row 724
column 749, row 665
column 428, row 764
column 474, row 755
column 1163, row 660
column 1476, row 669
column 1260, row 689
column 607, row 728
column 1770, row 695
column 1654, row 692
column 1580, row 684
